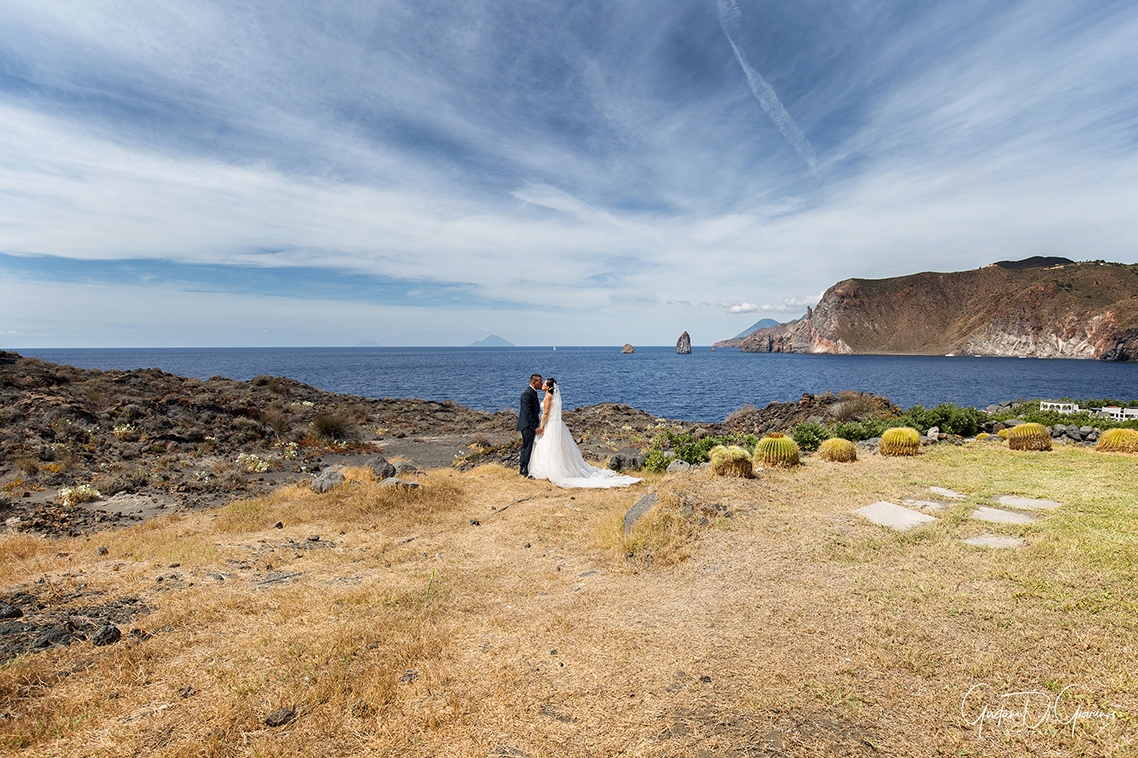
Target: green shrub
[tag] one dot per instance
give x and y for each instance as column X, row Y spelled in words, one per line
column 776, row 450
column 1029, row 436
column 900, row 440
column 809, row 436
column 856, row 431
column 656, row 461
column 949, row 418
column 838, row 450
column 694, row 451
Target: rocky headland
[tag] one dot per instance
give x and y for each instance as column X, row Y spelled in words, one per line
column 1041, row 307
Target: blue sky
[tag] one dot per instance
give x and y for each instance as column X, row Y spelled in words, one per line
column 594, row 173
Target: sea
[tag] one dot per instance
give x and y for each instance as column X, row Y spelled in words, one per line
column 705, row 386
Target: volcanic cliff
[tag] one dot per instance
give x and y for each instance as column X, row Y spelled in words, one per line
column 1021, row 308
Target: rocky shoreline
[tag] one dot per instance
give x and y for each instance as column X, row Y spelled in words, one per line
column 149, row 442
column 83, row 450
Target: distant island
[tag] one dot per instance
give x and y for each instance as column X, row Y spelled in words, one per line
column 492, row 341
column 368, row 343
column 1041, row 307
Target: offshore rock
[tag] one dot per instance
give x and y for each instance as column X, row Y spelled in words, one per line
column 683, row 344
column 628, row 348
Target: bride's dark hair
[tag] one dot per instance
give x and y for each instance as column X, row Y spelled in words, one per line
column 551, row 382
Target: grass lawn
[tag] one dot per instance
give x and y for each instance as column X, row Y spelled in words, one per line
column 487, row 615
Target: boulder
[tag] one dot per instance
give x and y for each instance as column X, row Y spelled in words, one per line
column 280, row 717
column 628, row 348
column 405, row 467
column 678, row 466
column 380, row 467
column 327, row 481
column 683, row 344
column 107, row 635
column 642, row 506
column 401, row 483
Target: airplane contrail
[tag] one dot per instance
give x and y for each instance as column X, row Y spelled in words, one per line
column 729, row 18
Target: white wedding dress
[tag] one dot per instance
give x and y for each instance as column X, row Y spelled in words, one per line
column 557, row 458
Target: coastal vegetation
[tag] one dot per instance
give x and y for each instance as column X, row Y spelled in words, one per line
column 483, row 614
column 900, row 440
column 778, row 450
column 730, row 460
column 1118, row 441
column 837, row 450
column 1029, row 436
column 463, row 610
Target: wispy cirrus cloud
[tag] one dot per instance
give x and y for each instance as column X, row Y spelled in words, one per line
column 545, row 169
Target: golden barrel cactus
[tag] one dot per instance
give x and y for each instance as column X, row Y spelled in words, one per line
column 776, row 450
column 731, row 461
column 838, row 450
column 900, row 440
column 1118, row 441
column 1029, row 436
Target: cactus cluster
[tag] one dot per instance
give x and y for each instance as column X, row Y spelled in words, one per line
column 776, row 450
column 900, row 440
column 1029, row 436
column 838, row 450
column 730, row 461
column 1119, row 440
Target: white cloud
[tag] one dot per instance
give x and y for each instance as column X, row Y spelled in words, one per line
column 582, row 170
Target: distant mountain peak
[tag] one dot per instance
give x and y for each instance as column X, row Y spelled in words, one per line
column 761, row 324
column 492, row 341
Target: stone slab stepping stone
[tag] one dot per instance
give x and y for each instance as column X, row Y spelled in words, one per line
column 894, row 516
column 991, row 540
column 1031, row 504
column 925, row 505
column 1000, row 516
column 945, row 492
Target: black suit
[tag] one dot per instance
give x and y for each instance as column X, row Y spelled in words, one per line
column 528, row 417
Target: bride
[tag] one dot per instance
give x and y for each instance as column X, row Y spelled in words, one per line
column 556, row 456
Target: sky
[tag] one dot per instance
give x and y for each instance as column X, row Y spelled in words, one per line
column 431, row 172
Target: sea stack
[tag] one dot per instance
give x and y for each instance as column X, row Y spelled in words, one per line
column 683, row 344
column 628, row 348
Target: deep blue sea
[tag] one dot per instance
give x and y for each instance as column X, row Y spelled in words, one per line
column 704, row 386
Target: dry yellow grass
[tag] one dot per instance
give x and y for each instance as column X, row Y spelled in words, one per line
column 789, row 627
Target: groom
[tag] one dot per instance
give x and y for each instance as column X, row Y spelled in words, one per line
column 528, row 419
